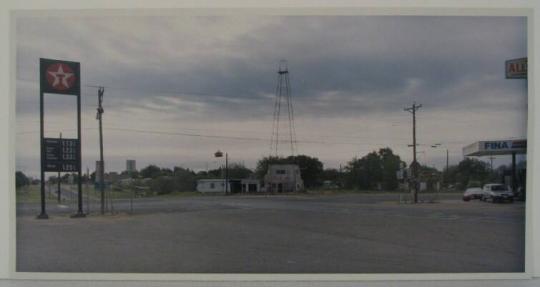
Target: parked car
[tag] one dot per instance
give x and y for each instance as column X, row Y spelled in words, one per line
column 473, row 193
column 497, row 192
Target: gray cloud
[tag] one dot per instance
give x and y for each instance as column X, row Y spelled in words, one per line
column 200, row 70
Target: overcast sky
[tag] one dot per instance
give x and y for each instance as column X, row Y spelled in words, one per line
column 180, row 88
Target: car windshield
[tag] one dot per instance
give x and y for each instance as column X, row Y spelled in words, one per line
column 498, row 188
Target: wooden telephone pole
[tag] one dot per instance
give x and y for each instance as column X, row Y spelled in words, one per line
column 412, row 109
column 100, row 111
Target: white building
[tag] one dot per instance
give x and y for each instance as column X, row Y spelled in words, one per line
column 212, row 185
column 283, row 178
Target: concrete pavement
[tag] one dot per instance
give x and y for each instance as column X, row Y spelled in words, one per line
column 281, row 234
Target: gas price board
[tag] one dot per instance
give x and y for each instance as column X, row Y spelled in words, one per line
column 61, row 154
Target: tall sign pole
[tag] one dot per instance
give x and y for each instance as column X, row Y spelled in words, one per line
column 80, row 212
column 59, row 193
column 516, row 69
column 60, row 154
column 43, row 214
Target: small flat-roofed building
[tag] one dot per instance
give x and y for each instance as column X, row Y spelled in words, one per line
column 211, row 185
column 217, row 185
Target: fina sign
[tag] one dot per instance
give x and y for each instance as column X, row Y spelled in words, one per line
column 504, row 145
column 516, row 68
column 482, row 148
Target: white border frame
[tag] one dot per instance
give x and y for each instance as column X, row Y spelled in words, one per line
column 7, row 199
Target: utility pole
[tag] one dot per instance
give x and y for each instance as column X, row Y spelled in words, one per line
column 220, row 154
column 226, row 173
column 491, row 157
column 446, row 160
column 412, row 109
column 87, row 191
column 101, row 90
column 447, row 171
column 59, row 192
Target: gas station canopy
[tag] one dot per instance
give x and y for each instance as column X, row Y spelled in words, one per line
column 499, row 147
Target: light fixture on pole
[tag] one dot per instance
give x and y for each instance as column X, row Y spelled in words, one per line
column 439, row 145
column 220, row 154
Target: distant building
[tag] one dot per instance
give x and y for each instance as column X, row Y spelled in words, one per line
column 283, row 178
column 131, row 165
column 211, row 185
column 218, row 185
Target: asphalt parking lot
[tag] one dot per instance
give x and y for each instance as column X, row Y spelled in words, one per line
column 351, row 233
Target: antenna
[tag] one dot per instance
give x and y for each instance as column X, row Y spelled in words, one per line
column 283, row 90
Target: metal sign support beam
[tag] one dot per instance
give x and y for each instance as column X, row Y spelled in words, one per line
column 43, row 214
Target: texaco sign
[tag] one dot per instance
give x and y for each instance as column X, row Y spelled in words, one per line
column 60, row 77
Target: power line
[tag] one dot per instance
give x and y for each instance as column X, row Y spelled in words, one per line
column 232, row 137
column 308, row 141
column 190, row 134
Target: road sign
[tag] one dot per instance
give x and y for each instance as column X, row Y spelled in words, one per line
column 61, row 155
column 516, row 68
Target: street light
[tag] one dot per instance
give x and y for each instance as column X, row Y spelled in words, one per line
column 220, row 154
column 436, row 146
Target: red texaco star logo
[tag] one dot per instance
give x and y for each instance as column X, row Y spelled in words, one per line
column 60, row 76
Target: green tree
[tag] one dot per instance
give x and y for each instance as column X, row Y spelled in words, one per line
column 239, row 171
column 364, row 173
column 150, row 171
column 469, row 171
column 235, row 171
column 185, row 179
column 331, row 174
column 374, row 170
column 311, row 169
column 166, row 172
column 262, row 165
column 21, row 179
column 162, row 185
column 390, row 165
